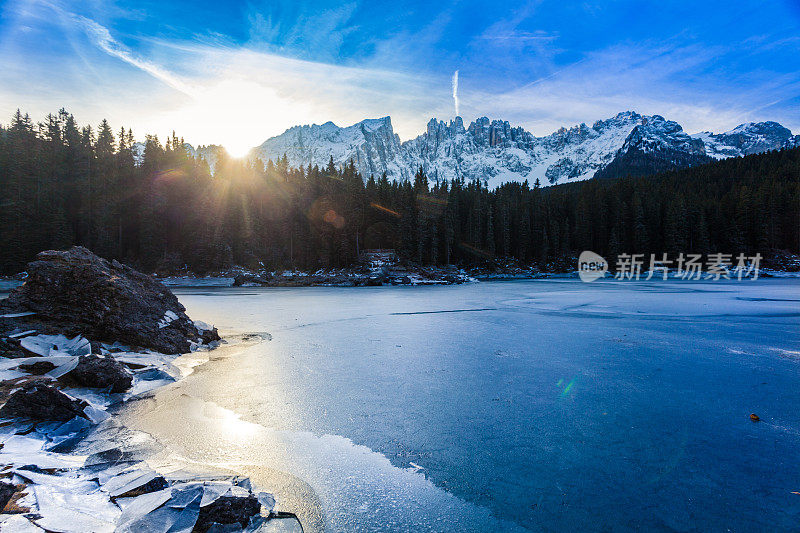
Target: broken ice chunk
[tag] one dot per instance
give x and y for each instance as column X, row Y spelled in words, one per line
column 144, row 386
column 267, row 501
column 172, row 509
column 168, row 318
column 64, row 435
column 135, row 509
column 96, row 415
column 8, row 375
column 73, row 512
column 213, row 490
column 20, row 450
column 202, row 326
column 17, row 315
column 21, row 334
column 47, row 345
column 134, row 482
column 63, row 368
column 16, row 523
column 105, row 472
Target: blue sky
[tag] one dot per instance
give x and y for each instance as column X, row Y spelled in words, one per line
column 238, row 72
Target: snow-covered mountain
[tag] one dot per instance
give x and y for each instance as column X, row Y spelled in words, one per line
column 371, row 143
column 209, row 153
column 138, row 152
column 496, row 152
column 746, row 139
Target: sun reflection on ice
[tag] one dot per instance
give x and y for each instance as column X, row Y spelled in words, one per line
column 230, row 423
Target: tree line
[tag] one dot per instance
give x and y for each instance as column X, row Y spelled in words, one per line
column 63, row 184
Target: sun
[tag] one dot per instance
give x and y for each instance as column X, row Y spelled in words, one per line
column 237, row 114
column 237, row 150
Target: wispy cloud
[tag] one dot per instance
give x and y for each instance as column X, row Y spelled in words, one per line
column 506, row 35
column 101, row 37
column 239, row 96
column 319, row 31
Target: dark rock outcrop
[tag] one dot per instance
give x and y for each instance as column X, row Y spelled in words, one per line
column 37, row 368
column 42, row 401
column 246, row 279
column 10, row 349
column 376, row 281
column 7, row 490
column 81, row 293
column 101, row 373
column 207, row 336
column 227, row 510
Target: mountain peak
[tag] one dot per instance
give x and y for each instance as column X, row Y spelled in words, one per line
column 373, row 124
column 745, row 139
column 767, row 126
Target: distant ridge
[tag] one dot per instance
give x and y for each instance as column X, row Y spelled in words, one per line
column 495, row 152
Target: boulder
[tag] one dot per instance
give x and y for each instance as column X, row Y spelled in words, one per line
column 37, row 368
column 207, row 336
column 101, row 373
column 246, row 279
column 42, row 401
column 11, row 349
column 78, row 292
column 7, row 490
column 227, row 510
column 376, row 281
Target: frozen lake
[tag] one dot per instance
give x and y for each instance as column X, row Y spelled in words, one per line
column 536, row 405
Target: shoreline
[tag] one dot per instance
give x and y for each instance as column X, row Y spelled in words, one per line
column 298, row 279
column 176, row 408
column 97, row 466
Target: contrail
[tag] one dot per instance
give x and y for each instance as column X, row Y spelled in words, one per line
column 455, row 90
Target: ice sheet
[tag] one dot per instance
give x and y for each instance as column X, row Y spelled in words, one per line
column 544, row 403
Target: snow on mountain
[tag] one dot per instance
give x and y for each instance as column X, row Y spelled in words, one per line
column 371, row 143
column 209, row 153
column 745, row 139
column 657, row 135
column 490, row 150
column 496, row 152
column 138, row 152
column 654, row 146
